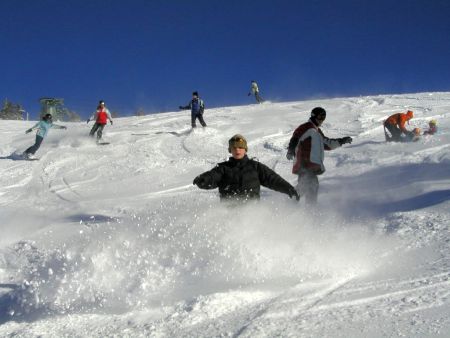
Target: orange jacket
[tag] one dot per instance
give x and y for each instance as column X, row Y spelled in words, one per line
column 399, row 120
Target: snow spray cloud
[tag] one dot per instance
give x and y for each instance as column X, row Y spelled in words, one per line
column 184, row 248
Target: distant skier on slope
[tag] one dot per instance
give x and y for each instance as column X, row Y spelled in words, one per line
column 240, row 178
column 254, row 90
column 197, row 107
column 307, row 146
column 395, row 124
column 42, row 127
column 432, row 128
column 101, row 117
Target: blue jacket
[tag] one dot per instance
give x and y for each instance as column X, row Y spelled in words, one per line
column 197, row 106
column 44, row 126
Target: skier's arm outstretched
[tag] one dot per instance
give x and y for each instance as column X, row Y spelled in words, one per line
column 272, row 180
column 93, row 117
column 108, row 114
column 209, row 179
column 189, row 106
column 32, row 128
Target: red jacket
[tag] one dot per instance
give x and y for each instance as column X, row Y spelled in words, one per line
column 101, row 116
column 309, row 143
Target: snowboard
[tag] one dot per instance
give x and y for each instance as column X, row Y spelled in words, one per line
column 20, row 157
column 102, row 143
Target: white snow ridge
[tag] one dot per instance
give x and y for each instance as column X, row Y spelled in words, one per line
column 115, row 241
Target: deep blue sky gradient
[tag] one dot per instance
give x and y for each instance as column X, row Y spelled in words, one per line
column 153, row 54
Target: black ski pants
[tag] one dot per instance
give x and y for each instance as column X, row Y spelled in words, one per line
column 35, row 146
column 97, row 127
column 199, row 117
column 395, row 132
column 258, row 98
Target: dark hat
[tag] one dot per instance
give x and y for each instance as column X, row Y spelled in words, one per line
column 237, row 141
column 319, row 112
column 195, row 94
column 47, row 117
column 101, row 102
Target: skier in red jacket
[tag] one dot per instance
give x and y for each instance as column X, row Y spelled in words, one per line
column 101, row 117
column 307, row 146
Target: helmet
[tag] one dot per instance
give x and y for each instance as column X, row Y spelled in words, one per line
column 319, row 113
column 410, row 114
column 195, row 94
column 433, row 123
column 101, row 102
column 416, row 131
column 47, row 117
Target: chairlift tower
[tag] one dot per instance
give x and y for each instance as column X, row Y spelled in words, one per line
column 50, row 105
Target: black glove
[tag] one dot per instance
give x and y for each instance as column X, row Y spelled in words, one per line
column 180, row 107
column 293, row 192
column 344, row 140
column 28, row 131
column 199, row 181
column 249, row 94
column 290, row 154
column 63, row 127
column 111, row 122
column 88, row 120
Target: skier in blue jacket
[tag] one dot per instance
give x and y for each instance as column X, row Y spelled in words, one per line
column 42, row 127
column 197, row 107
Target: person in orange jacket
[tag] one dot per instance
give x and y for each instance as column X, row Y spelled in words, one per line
column 395, row 124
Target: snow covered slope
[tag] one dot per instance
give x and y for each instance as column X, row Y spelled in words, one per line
column 115, row 240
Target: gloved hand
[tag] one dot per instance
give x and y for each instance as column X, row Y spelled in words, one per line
column 63, row 127
column 111, row 122
column 199, row 181
column 88, row 120
column 249, row 94
column 180, row 107
column 290, row 154
column 28, row 131
column 293, row 192
column 344, row 140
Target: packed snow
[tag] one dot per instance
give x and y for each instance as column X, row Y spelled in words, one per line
column 114, row 240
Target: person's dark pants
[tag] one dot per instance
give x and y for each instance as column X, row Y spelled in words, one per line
column 395, row 133
column 97, row 128
column 308, row 186
column 200, row 119
column 258, row 98
column 35, row 146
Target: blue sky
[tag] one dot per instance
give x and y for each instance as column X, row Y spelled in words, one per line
column 152, row 54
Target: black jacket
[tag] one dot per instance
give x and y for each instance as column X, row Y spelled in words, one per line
column 242, row 179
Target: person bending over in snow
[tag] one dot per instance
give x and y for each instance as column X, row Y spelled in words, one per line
column 395, row 124
column 307, row 146
column 254, row 90
column 240, row 178
column 101, row 117
column 42, row 129
column 197, row 107
column 432, row 128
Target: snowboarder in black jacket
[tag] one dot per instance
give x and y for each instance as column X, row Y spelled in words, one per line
column 197, row 107
column 240, row 177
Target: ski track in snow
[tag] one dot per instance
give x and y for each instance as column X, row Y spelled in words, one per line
column 116, row 241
